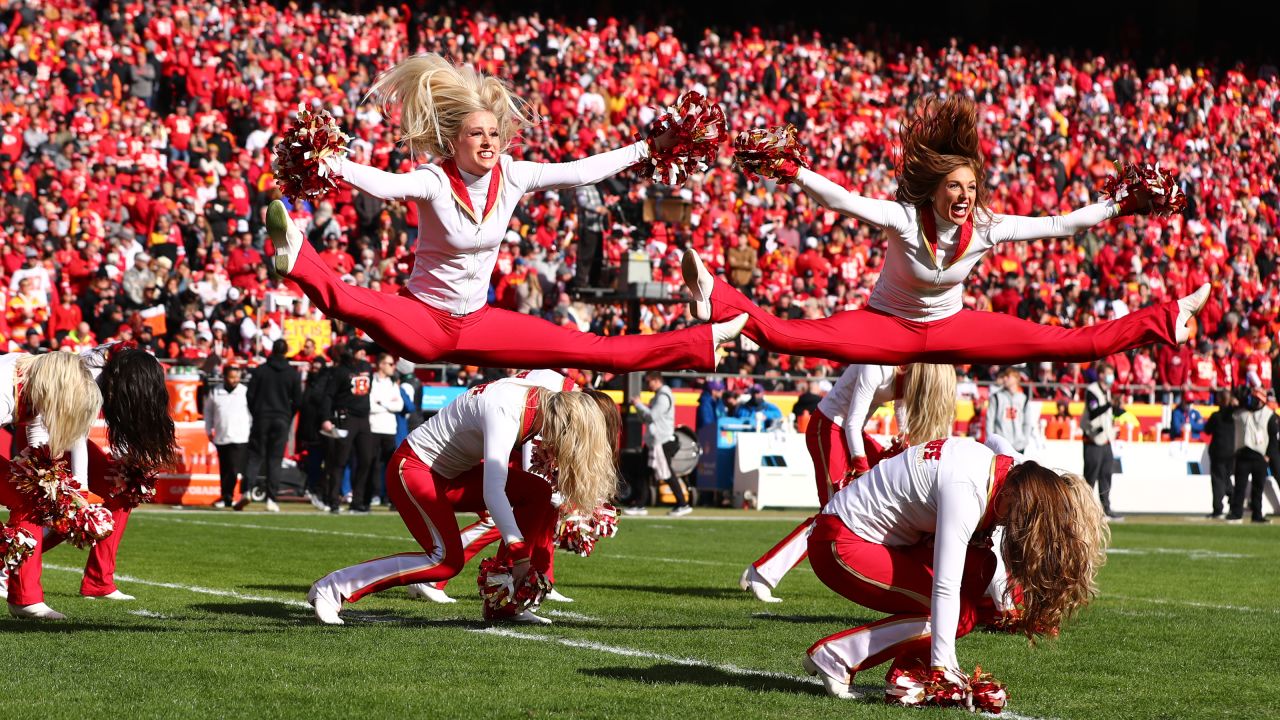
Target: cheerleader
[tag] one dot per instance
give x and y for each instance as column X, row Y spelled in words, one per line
column 906, row 539
column 938, row 229
column 483, row 532
column 458, row 461
column 50, row 400
column 924, row 398
column 140, row 433
column 464, row 207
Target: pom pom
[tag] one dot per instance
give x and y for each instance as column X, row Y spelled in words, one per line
column 578, row 533
column 698, row 127
column 919, row 687
column 50, row 492
column 502, row 596
column 46, row 483
column 772, row 153
column 16, row 545
column 987, row 694
column 85, row 525
column 299, row 164
column 133, row 486
column 1135, row 183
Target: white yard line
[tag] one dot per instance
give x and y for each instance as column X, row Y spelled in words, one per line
column 1193, row 604
column 568, row 615
column 282, row 528
column 1193, row 553
column 190, row 588
column 148, row 614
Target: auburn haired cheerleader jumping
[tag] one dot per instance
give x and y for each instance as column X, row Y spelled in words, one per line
column 459, row 461
column 906, row 539
column 140, row 435
column 464, row 210
column 938, row 229
column 924, row 398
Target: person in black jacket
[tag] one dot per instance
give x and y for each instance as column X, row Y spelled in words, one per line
column 1221, row 428
column 308, row 438
column 275, row 392
column 346, row 423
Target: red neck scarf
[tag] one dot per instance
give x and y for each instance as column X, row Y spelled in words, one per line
column 929, row 224
column 463, row 197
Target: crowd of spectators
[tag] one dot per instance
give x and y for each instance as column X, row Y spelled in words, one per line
column 135, row 164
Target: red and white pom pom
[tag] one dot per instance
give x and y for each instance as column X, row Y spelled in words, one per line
column 986, row 694
column 86, row 525
column 606, row 520
column 578, row 534
column 773, row 153
column 699, row 128
column 503, row 597
column 1132, row 182
column 299, row 163
column 918, row 687
column 46, row 483
column 16, row 545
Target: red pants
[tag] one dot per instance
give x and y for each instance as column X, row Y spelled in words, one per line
column 475, row 537
column 491, row 337
column 427, row 503
column 896, row 580
column 99, row 571
column 829, row 449
column 875, row 337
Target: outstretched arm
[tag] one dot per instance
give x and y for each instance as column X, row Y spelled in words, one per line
column 881, row 213
column 533, row 176
column 1012, row 228
column 959, row 512
column 421, row 184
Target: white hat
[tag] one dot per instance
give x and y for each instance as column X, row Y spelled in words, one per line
column 219, row 325
column 189, row 325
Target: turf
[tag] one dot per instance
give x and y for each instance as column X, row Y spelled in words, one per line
column 1188, row 627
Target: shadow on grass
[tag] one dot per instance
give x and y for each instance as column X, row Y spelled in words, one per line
column 707, row 592
column 671, row 674
column 299, row 589
column 849, row 620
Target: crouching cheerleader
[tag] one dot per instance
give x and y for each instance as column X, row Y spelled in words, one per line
column 459, row 461
column 911, row 538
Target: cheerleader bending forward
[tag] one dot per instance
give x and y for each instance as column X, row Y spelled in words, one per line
column 938, row 230
column 924, row 398
column 459, row 461
column 140, row 433
column 464, row 210
column 911, row 538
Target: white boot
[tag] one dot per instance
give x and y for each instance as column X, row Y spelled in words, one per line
column 285, row 236
column 427, row 591
column 38, row 611
column 113, row 595
column 528, row 618
column 327, row 603
column 557, row 596
column 1188, row 307
column 700, row 283
column 272, row 506
column 4, row 583
column 835, row 688
column 752, row 582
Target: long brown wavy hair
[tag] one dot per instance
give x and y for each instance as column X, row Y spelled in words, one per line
column 1055, row 541
column 930, row 395
column 937, row 137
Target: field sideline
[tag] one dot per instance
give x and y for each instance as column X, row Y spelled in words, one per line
column 1188, row 626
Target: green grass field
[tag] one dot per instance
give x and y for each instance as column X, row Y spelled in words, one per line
column 1188, row 627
